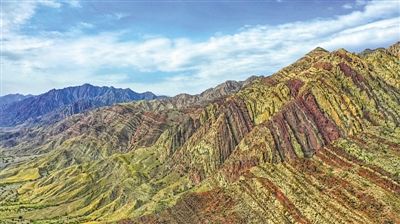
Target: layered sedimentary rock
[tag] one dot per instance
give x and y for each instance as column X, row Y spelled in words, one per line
column 317, row 142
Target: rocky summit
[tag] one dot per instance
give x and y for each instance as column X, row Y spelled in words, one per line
column 316, row 142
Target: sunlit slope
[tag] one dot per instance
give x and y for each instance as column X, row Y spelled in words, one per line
column 351, row 181
column 316, row 142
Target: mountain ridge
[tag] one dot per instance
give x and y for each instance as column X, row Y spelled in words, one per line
column 71, row 100
column 10, row 98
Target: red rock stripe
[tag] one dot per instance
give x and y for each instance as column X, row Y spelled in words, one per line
column 290, row 207
column 367, row 173
column 332, row 159
column 392, row 145
column 382, row 182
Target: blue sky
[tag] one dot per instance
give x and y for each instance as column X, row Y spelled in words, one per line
column 170, row 47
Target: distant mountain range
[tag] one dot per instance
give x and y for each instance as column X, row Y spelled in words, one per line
column 17, row 108
column 57, row 104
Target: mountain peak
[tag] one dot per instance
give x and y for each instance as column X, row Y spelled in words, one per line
column 86, row 85
column 342, row 50
column 318, row 50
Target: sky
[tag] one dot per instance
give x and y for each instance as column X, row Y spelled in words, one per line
column 170, row 47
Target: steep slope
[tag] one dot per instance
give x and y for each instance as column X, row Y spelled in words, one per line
column 64, row 102
column 335, row 108
column 317, row 142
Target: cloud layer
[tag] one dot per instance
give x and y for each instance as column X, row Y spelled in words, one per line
column 34, row 64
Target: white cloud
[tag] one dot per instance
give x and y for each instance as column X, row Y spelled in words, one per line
column 36, row 64
column 15, row 13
